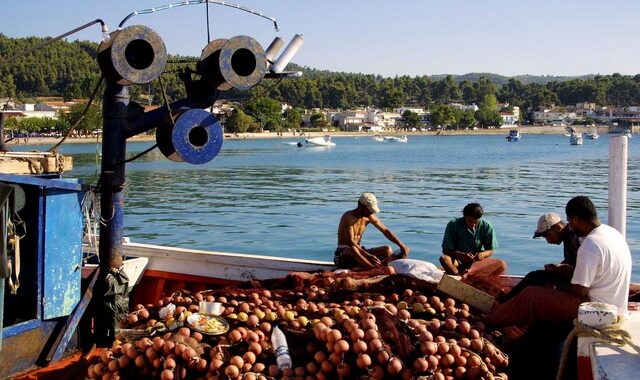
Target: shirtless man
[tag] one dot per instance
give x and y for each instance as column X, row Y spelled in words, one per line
column 350, row 253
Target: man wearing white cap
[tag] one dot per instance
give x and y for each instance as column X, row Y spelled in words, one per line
column 350, row 253
column 555, row 231
column 602, row 274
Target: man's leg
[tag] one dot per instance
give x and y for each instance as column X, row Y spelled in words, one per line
column 535, row 278
column 382, row 252
column 535, row 304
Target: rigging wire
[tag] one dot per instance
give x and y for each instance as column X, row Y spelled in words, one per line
column 196, row 2
column 54, row 39
column 82, row 115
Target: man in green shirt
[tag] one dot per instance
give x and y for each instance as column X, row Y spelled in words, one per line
column 466, row 240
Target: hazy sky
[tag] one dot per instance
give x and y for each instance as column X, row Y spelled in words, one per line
column 415, row 37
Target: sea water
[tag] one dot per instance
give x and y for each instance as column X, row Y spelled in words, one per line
column 265, row 197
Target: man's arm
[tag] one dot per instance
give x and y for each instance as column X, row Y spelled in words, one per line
column 361, row 256
column 483, row 255
column 404, row 250
column 463, row 257
column 574, row 289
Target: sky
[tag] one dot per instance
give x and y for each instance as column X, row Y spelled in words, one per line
column 386, row 37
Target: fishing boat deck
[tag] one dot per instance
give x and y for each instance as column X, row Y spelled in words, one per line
column 614, row 361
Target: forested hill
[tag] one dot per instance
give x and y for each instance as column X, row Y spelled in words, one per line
column 69, row 70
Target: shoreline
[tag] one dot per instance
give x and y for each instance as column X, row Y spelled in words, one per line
column 537, row 130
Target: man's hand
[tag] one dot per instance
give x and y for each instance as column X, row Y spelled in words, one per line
column 374, row 260
column 468, row 258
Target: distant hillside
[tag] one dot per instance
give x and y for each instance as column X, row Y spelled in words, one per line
column 502, row 80
column 70, row 70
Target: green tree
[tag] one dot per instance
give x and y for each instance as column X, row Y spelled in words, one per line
column 467, row 119
column 411, row 119
column 443, row 115
column 239, row 122
column 292, row 118
column 91, row 121
column 487, row 114
column 318, row 120
column 265, row 110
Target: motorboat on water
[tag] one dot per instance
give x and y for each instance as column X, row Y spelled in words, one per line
column 628, row 133
column 320, row 141
column 513, row 136
column 377, row 138
column 576, row 139
column 591, row 135
column 402, row 139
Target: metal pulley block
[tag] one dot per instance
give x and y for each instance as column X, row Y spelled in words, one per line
column 243, row 62
column 209, row 65
column 134, row 55
column 196, row 137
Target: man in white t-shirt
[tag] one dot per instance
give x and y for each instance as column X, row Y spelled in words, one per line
column 603, row 265
column 602, row 273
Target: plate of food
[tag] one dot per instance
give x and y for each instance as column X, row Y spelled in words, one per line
column 208, row 324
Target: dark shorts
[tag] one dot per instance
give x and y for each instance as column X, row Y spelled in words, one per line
column 341, row 261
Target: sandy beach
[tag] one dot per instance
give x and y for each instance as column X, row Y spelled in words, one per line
column 288, row 135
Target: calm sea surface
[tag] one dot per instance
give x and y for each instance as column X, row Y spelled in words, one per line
column 266, row 197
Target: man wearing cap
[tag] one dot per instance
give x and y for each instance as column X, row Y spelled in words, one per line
column 602, row 274
column 466, row 240
column 350, row 253
column 555, row 231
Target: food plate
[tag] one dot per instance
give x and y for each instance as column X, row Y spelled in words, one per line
column 208, row 324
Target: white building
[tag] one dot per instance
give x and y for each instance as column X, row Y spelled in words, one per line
column 37, row 110
column 557, row 118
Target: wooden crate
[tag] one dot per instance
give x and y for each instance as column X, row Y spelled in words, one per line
column 465, row 293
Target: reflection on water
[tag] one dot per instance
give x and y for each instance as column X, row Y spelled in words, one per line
column 265, row 197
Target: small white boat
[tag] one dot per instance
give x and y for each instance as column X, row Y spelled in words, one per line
column 628, row 133
column 320, row 141
column 377, row 138
column 575, row 139
column 513, row 136
column 402, row 139
column 591, row 135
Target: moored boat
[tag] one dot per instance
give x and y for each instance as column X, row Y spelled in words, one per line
column 401, row 139
column 576, row 139
column 513, row 136
column 591, row 135
column 320, row 141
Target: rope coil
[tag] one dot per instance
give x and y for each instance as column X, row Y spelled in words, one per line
column 613, row 333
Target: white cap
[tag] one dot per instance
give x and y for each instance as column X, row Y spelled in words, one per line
column 369, row 200
column 545, row 222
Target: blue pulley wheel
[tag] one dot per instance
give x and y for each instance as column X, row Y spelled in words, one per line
column 197, row 137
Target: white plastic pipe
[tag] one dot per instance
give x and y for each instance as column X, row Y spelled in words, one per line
column 273, row 49
column 618, row 183
column 287, row 54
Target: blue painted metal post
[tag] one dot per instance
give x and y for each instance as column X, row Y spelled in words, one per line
column 111, row 301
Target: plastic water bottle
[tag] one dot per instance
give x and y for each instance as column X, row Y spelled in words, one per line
column 281, row 348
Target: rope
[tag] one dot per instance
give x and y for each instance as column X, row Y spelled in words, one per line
column 52, row 40
column 196, row 2
column 84, row 112
column 613, row 333
column 91, row 213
